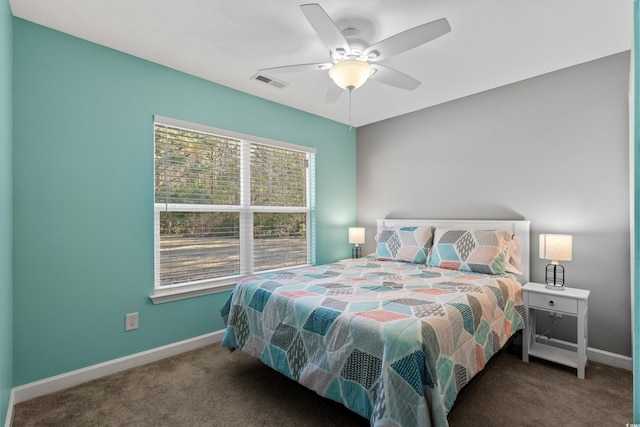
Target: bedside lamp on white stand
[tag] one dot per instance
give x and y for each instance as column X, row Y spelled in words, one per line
column 356, row 237
column 555, row 247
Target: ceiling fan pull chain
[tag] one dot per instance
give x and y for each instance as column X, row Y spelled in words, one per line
column 350, row 90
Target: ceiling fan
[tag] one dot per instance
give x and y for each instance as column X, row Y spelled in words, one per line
column 353, row 62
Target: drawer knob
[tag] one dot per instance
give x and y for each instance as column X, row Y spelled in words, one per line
column 551, row 303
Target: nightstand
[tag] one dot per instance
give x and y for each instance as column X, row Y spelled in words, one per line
column 569, row 302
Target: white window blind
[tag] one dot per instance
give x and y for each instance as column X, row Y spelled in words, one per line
column 228, row 206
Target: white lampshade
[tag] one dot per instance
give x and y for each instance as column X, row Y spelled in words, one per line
column 556, row 247
column 356, row 235
column 350, row 74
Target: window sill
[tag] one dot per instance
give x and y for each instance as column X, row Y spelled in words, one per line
column 177, row 293
column 161, row 296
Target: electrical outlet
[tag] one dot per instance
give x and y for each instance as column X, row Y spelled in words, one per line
column 131, row 321
column 556, row 315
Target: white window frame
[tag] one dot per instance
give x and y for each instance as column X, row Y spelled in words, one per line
column 174, row 292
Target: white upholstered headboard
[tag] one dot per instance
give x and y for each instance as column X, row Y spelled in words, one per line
column 520, row 228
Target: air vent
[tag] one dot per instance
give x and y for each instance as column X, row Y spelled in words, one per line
column 269, row 81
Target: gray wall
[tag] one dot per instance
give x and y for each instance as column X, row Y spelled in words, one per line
column 553, row 150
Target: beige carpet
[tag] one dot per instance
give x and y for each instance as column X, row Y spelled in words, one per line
column 212, row 387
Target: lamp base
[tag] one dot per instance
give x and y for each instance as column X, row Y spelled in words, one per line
column 555, row 277
column 356, row 252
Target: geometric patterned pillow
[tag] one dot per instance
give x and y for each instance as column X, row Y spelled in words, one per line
column 514, row 260
column 409, row 244
column 479, row 251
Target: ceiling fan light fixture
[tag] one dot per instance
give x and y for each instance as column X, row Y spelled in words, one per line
column 350, row 74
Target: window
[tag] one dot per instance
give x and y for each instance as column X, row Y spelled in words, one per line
column 226, row 206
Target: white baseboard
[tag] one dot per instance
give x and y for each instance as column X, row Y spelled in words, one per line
column 596, row 355
column 608, row 358
column 9, row 420
column 69, row 379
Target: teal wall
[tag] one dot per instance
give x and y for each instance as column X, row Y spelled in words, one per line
column 6, row 285
column 83, row 196
column 635, row 304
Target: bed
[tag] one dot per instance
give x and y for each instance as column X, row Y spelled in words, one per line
column 396, row 335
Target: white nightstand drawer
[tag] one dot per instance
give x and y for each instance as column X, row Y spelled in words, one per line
column 553, row 303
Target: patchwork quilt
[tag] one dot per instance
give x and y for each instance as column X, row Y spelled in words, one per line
column 392, row 341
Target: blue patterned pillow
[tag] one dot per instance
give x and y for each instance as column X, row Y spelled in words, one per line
column 480, row 251
column 409, row 244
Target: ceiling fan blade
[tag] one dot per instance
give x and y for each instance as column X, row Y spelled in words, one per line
column 297, row 68
column 325, row 27
column 333, row 93
column 407, row 40
column 393, row 77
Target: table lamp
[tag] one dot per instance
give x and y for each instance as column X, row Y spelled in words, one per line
column 555, row 247
column 356, row 237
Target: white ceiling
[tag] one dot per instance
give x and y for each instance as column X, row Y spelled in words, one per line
column 492, row 43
